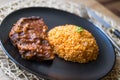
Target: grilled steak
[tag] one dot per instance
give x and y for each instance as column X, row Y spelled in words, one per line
column 30, row 37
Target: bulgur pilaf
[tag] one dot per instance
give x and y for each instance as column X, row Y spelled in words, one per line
column 72, row 45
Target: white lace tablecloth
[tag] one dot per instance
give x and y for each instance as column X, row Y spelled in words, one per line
column 14, row 71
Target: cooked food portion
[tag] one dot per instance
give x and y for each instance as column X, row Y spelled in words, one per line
column 29, row 36
column 73, row 43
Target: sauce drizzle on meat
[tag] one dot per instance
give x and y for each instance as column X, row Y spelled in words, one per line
column 30, row 37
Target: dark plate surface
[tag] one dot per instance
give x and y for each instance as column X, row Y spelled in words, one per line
column 59, row 69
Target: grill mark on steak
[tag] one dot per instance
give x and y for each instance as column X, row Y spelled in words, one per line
column 30, row 37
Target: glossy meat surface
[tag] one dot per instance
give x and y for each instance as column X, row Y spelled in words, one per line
column 29, row 36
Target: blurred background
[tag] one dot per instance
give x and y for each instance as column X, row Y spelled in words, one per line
column 112, row 5
column 109, row 8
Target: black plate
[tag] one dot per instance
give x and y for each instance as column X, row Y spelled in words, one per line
column 59, row 69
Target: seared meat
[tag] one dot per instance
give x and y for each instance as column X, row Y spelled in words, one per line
column 29, row 36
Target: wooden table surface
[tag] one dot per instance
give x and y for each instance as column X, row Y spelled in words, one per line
column 112, row 5
column 95, row 5
column 102, row 7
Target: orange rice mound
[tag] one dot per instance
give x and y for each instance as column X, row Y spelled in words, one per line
column 72, row 45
